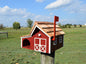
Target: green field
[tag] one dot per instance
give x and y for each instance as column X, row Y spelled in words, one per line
column 73, row 52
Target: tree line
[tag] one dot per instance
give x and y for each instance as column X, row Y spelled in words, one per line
column 69, row 25
column 16, row 25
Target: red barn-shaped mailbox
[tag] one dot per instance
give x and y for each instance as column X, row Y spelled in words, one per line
column 40, row 38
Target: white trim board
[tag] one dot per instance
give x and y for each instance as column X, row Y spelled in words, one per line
column 25, row 36
column 21, row 42
column 33, row 30
column 49, row 45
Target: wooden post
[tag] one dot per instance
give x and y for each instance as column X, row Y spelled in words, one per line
column 7, row 34
column 47, row 58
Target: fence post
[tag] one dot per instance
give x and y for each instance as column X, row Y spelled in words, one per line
column 7, row 34
column 47, row 58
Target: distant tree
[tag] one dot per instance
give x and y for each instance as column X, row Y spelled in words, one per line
column 63, row 26
column 75, row 25
column 59, row 24
column 69, row 26
column 1, row 26
column 30, row 22
column 16, row 25
column 80, row 25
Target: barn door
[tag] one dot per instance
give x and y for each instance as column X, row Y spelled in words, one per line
column 40, row 44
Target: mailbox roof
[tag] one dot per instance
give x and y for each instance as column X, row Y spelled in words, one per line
column 47, row 28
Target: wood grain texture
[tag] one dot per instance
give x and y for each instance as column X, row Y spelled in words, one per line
column 48, row 58
column 48, row 28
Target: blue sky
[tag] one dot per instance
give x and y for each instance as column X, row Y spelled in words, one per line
column 69, row 11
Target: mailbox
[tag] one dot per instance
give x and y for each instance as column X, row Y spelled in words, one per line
column 41, row 37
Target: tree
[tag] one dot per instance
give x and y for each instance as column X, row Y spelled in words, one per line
column 65, row 26
column 69, row 26
column 75, row 25
column 16, row 25
column 80, row 25
column 30, row 22
column 1, row 26
column 59, row 24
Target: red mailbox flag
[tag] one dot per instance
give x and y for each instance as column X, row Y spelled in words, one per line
column 56, row 19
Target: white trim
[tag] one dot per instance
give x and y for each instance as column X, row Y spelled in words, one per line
column 25, row 36
column 49, row 45
column 21, row 42
column 33, row 29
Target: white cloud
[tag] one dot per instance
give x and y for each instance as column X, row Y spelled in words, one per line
column 51, row 14
column 39, row 0
column 9, row 15
column 43, row 18
column 72, row 6
column 11, row 12
column 58, row 3
column 77, row 7
column 4, row 9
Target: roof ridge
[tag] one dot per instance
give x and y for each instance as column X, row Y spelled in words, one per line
column 43, row 22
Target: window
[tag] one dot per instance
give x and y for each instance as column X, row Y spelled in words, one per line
column 60, row 39
column 55, row 42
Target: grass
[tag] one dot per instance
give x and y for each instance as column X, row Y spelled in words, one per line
column 73, row 52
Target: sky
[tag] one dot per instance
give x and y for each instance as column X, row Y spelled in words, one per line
column 69, row 11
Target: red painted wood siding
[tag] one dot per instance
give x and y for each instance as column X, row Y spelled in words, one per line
column 43, row 36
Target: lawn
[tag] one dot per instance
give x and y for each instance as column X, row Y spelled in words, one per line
column 73, row 52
